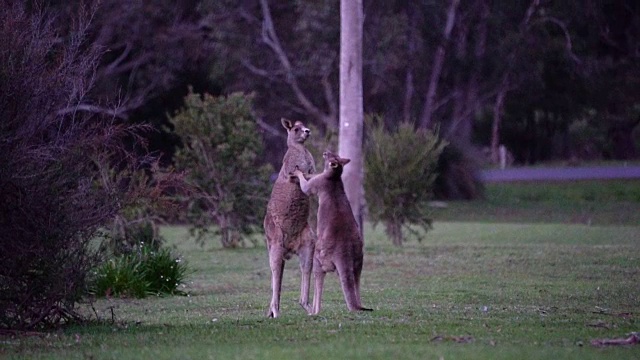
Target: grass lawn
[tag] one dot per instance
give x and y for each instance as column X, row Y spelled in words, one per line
column 575, row 202
column 475, row 288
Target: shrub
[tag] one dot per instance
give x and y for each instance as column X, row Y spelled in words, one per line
column 51, row 206
column 221, row 148
column 399, row 176
column 56, row 143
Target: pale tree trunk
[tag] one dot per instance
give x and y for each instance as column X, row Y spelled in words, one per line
column 351, row 108
column 497, row 117
column 460, row 105
column 467, row 101
column 505, row 85
column 436, row 69
column 412, row 39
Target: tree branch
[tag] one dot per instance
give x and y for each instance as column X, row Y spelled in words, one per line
column 270, row 38
column 119, row 112
column 567, row 36
column 436, row 69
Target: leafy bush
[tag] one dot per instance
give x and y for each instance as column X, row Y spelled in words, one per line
column 221, row 148
column 148, row 272
column 399, row 175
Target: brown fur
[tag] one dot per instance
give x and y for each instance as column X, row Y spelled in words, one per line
column 286, row 222
column 339, row 245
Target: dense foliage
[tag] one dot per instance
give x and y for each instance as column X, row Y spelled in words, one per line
column 400, row 171
column 221, row 149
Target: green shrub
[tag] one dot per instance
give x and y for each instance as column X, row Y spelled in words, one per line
column 221, row 152
column 399, row 175
column 162, row 271
column 121, row 276
column 147, row 272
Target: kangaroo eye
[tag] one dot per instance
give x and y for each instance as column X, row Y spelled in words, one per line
column 296, row 129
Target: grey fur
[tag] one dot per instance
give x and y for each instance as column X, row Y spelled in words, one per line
column 339, row 245
column 286, row 223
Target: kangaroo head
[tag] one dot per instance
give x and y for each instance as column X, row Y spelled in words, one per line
column 334, row 163
column 297, row 133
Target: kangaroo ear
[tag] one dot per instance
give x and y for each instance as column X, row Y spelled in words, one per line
column 344, row 161
column 288, row 124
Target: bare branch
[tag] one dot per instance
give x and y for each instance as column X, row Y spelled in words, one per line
column 268, row 128
column 436, row 69
column 270, row 38
column 258, row 71
column 116, row 112
column 567, row 36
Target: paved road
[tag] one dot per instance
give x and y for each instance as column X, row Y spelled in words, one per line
column 565, row 173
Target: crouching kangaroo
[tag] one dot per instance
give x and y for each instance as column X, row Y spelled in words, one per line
column 286, row 224
column 339, row 245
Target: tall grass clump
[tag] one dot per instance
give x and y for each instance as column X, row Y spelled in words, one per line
column 139, row 274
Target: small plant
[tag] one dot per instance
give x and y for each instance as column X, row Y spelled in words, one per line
column 162, row 271
column 400, row 170
column 147, row 272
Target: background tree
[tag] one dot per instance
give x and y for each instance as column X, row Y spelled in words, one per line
column 351, row 111
column 220, row 152
column 151, row 53
column 400, row 174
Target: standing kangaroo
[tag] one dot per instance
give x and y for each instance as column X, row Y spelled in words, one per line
column 286, row 223
column 340, row 245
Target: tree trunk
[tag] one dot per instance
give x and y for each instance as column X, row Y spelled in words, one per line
column 351, row 103
column 412, row 39
column 393, row 229
column 497, row 116
column 436, row 68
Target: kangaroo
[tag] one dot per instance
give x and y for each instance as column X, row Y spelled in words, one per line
column 339, row 245
column 286, row 223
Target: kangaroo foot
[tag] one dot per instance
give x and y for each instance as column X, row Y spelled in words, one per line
column 306, row 307
column 272, row 313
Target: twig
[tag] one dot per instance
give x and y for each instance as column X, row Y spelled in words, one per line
column 632, row 339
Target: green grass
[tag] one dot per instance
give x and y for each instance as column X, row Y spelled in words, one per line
column 548, row 290
column 577, row 202
column 523, row 290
